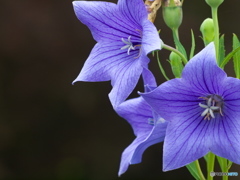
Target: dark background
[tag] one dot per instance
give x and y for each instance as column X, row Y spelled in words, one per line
column 50, row 129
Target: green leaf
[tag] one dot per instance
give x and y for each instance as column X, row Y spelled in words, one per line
column 221, row 49
column 179, row 46
column 193, row 45
column 161, row 68
column 193, row 170
column 228, row 57
column 236, row 56
column 229, row 164
column 223, row 163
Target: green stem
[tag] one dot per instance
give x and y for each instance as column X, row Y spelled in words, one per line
column 210, row 164
column 199, row 170
column 176, row 51
column 175, row 31
column 161, row 68
column 216, row 30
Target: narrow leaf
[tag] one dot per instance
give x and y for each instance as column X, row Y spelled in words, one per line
column 179, row 46
column 193, row 45
column 221, row 49
column 228, row 57
column 192, row 169
column 236, row 56
column 223, row 163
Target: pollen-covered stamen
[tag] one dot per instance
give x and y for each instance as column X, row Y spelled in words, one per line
column 129, row 45
column 213, row 104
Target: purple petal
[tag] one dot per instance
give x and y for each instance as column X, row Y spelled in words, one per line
column 186, row 141
column 105, row 20
column 136, row 112
column 173, row 99
column 202, row 72
column 150, row 37
column 133, row 153
column 148, row 78
column 135, row 11
column 225, row 133
column 104, row 63
column 226, row 130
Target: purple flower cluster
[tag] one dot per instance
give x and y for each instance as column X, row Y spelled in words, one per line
column 195, row 114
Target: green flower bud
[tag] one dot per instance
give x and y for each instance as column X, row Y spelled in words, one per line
column 176, row 64
column 207, row 29
column 172, row 13
column 214, row 3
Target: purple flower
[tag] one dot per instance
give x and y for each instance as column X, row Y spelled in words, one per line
column 124, row 37
column 203, row 110
column 148, row 126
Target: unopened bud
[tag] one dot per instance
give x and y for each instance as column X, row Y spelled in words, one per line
column 172, row 13
column 207, row 29
column 214, row 3
column 176, row 64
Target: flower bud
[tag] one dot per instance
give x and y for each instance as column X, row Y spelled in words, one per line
column 172, row 13
column 207, row 29
column 214, row 3
column 176, row 64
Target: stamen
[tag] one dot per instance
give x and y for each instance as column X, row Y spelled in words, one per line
column 213, row 104
column 129, row 45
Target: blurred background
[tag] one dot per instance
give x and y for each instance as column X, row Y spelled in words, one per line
column 51, row 129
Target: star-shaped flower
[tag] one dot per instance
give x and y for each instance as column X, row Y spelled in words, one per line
column 149, row 128
column 203, row 110
column 124, row 37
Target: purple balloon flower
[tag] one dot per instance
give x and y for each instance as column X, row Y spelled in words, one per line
column 124, row 37
column 203, row 110
column 147, row 125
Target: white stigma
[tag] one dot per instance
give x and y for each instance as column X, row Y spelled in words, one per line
column 209, row 108
column 128, row 45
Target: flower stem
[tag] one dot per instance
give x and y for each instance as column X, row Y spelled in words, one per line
column 176, row 51
column 199, row 170
column 175, row 31
column 161, row 68
column 216, row 30
column 210, row 164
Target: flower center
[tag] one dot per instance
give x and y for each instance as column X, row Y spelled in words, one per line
column 213, row 103
column 129, row 45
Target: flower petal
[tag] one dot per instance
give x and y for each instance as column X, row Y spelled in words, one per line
column 226, row 130
column 203, row 73
column 186, row 141
column 104, row 20
column 148, row 78
column 136, row 13
column 137, row 112
column 133, row 153
column 173, row 99
column 134, row 10
column 150, row 37
column 226, row 137
column 108, row 62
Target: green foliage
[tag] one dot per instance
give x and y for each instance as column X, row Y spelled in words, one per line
column 193, row 170
column 176, row 64
column 179, row 46
column 236, row 56
column 193, row 45
column 221, row 49
column 228, row 57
